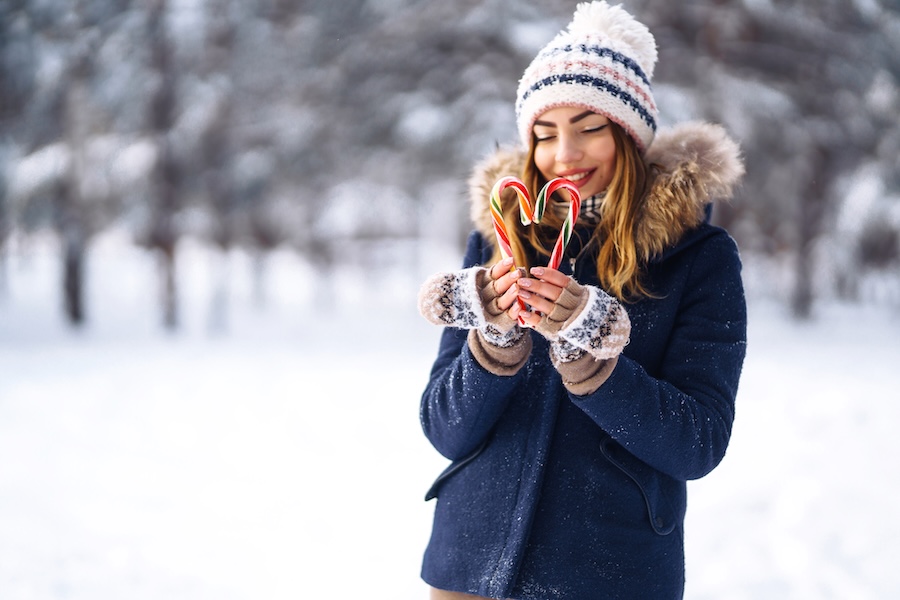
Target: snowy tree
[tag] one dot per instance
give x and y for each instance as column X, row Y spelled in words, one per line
column 16, row 84
column 343, row 129
column 791, row 79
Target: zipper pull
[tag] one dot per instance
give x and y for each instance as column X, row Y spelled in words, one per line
column 572, row 265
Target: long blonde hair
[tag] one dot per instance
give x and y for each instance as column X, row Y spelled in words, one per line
column 619, row 266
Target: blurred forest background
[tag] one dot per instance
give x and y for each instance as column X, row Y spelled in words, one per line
column 344, row 130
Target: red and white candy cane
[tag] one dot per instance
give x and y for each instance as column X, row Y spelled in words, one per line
column 533, row 213
column 565, row 232
column 526, row 215
column 526, row 211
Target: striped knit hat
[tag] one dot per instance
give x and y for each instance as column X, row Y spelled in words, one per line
column 603, row 62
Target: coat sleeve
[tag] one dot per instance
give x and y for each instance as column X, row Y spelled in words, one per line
column 462, row 400
column 680, row 423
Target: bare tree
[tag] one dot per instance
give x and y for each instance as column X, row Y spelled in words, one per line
column 164, row 205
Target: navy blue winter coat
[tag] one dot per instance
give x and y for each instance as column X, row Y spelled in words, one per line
column 555, row 496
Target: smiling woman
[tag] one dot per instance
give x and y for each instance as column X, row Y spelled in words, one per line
column 577, row 145
column 575, row 403
column 604, row 162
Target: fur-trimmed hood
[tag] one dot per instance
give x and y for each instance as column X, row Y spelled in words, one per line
column 696, row 164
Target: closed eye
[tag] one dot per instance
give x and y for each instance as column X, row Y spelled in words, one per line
column 596, row 129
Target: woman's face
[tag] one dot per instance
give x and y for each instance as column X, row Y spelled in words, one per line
column 575, row 144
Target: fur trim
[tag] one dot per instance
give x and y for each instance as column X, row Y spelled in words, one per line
column 695, row 163
column 698, row 164
column 504, row 162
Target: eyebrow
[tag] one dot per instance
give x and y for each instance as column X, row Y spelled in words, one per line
column 574, row 119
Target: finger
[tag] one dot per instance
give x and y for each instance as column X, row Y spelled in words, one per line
column 549, row 275
column 515, row 309
column 536, row 302
column 509, row 297
column 519, row 313
column 503, row 283
column 543, row 289
column 501, row 268
column 528, row 318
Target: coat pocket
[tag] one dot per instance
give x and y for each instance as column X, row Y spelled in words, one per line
column 665, row 497
column 455, row 466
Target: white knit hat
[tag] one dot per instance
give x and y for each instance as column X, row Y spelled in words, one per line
column 603, row 62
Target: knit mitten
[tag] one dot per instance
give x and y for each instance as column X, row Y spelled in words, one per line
column 581, row 372
column 570, row 303
column 466, row 299
column 587, row 329
column 588, row 319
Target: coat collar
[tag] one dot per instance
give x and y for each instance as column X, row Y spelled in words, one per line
column 697, row 164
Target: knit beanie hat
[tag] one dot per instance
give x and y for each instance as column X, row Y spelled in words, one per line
column 603, row 62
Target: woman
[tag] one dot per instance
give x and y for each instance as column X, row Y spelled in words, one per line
column 574, row 424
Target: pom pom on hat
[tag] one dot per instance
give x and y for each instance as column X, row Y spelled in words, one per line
column 603, row 62
column 618, row 25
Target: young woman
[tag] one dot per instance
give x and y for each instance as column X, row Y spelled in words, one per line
column 574, row 424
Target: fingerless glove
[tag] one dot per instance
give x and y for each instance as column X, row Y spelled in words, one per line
column 587, row 329
column 466, row 300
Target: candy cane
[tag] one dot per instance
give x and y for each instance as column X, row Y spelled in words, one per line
column 526, row 215
column 526, row 211
column 533, row 213
column 565, row 232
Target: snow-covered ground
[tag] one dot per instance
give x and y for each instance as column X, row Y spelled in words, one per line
column 281, row 456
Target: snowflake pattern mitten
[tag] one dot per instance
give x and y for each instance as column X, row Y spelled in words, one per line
column 466, row 300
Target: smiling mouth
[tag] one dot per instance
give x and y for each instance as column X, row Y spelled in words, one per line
column 578, row 177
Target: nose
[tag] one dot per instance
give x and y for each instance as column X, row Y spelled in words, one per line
column 568, row 151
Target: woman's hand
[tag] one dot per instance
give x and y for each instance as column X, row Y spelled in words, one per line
column 504, row 283
column 473, row 298
column 541, row 291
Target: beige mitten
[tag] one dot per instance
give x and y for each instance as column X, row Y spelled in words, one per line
column 466, row 299
column 587, row 329
column 601, row 328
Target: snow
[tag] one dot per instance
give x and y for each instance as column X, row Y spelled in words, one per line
column 282, row 457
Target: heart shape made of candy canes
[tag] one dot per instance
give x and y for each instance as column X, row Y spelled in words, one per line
column 532, row 212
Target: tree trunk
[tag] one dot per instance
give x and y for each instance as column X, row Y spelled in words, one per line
column 165, row 204
column 73, row 275
column 259, row 266
column 5, row 228
column 217, row 321
column 4, row 260
column 4, row 273
column 74, row 221
column 810, row 222
column 169, row 299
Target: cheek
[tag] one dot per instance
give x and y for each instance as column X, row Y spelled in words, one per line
column 608, row 172
column 606, row 157
column 606, row 153
column 611, row 163
column 544, row 161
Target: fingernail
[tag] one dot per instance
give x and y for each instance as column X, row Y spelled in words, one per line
column 537, row 271
column 525, row 282
column 508, row 261
column 524, row 294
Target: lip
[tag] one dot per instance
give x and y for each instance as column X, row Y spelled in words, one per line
column 589, row 174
